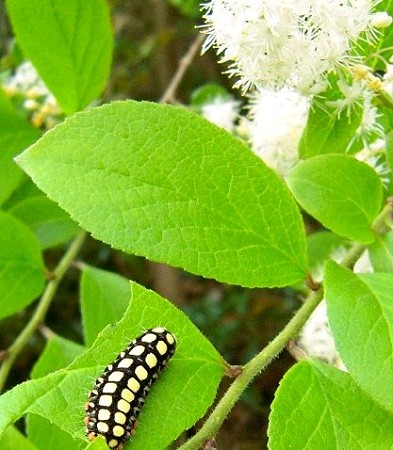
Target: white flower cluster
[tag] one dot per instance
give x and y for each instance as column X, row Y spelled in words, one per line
column 295, row 43
column 37, row 99
column 275, row 124
column 223, row 112
column 316, row 338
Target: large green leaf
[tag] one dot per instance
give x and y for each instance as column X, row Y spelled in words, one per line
column 162, row 182
column 69, row 43
column 104, row 299
column 22, row 274
column 320, row 407
column 58, row 353
column 344, row 194
column 361, row 319
column 180, row 397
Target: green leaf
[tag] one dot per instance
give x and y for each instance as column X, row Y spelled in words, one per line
column 208, row 93
column 12, row 439
column 188, row 385
column 15, row 135
column 51, row 224
column 190, row 8
column 46, row 435
column 381, row 253
column 160, row 181
column 22, row 274
column 327, row 131
column 342, row 193
column 321, row 246
column 97, row 444
column 58, row 353
column 361, row 319
column 320, row 407
column 69, row 43
column 104, row 299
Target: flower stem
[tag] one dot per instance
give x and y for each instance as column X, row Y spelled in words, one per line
column 41, row 310
column 260, row 361
column 250, row 370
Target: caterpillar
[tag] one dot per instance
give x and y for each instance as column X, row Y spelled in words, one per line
column 119, row 393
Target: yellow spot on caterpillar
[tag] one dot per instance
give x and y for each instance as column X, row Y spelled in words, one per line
column 141, row 373
column 125, row 363
column 151, row 360
column 105, row 400
column 133, row 384
column 138, row 350
column 109, row 388
column 124, row 406
column 127, row 395
column 116, row 376
column 104, row 414
column 150, row 337
column 120, row 418
column 161, row 347
column 102, row 427
column 170, row 338
column 118, row 431
column 113, row 443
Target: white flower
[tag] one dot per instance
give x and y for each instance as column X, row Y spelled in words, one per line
column 374, row 155
column 363, row 264
column 27, row 81
column 223, row 112
column 276, row 121
column 276, row 43
column 316, row 338
column 39, row 101
column 381, row 19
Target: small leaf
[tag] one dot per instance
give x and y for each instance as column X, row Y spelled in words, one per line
column 58, row 353
column 342, row 193
column 69, row 43
column 13, row 439
column 46, row 435
column 321, row 246
column 51, row 224
column 320, row 407
column 381, row 253
column 97, row 444
column 188, row 385
column 327, row 131
column 22, row 274
column 15, row 135
column 104, row 299
column 160, row 181
column 361, row 317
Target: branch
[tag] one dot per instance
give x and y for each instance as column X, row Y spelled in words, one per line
column 185, row 62
column 42, row 308
column 291, row 330
column 250, row 370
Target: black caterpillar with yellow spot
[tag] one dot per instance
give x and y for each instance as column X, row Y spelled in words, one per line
column 119, row 393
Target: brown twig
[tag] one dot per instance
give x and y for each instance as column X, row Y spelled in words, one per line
column 169, row 96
